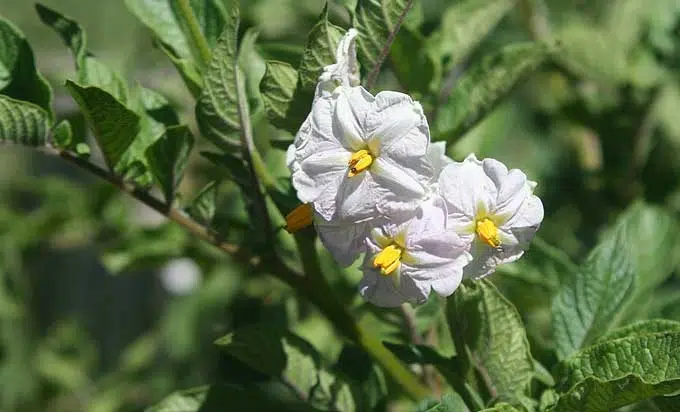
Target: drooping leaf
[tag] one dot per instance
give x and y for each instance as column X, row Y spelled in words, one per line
column 159, row 16
column 465, row 25
column 23, row 122
column 633, row 257
column 322, row 41
column 91, row 72
column 204, row 205
column 451, row 402
column 19, row 78
column 292, row 360
column 376, row 20
column 183, row 401
column 114, row 125
column 489, row 331
column 168, row 158
column 619, row 372
column 642, row 328
column 483, row 86
column 217, row 110
column 415, row 64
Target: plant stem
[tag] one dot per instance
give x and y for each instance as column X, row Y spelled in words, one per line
column 313, row 286
column 373, row 75
column 319, row 291
column 196, row 36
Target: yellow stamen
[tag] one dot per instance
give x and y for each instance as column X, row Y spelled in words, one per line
column 488, row 232
column 388, row 259
column 301, row 217
column 359, row 162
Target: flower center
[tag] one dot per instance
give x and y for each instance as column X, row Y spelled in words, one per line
column 301, row 217
column 360, row 161
column 488, row 232
column 388, row 259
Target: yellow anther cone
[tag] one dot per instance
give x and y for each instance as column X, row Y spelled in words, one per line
column 488, row 232
column 388, row 259
column 360, row 161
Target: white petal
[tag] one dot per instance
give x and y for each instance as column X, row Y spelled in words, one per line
column 399, row 190
column 318, row 177
column 345, row 240
column 397, row 127
column 436, row 154
column 346, row 70
column 467, row 191
column 485, row 259
column 351, row 108
column 382, row 290
column 511, row 185
column 357, row 197
column 529, row 215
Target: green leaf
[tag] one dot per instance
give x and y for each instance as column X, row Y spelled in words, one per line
column 183, row 401
column 633, row 257
column 465, row 25
column 451, row 402
column 484, row 85
column 642, row 328
column 489, row 330
column 619, row 372
column 319, row 52
column 291, row 359
column 217, row 110
column 501, row 407
column 23, row 122
column 205, row 204
column 91, row 72
column 19, row 78
column 278, row 90
column 168, row 158
column 376, row 20
column 419, row 354
column 62, row 134
column 164, row 19
column 414, row 62
column 114, row 125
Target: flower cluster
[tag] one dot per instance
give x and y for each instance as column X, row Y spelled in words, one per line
column 373, row 184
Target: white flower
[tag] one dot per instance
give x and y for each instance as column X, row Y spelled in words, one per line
column 345, row 70
column 345, row 240
column 357, row 156
column 406, row 261
column 491, row 207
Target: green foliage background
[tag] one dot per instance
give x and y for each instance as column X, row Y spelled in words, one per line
column 581, row 95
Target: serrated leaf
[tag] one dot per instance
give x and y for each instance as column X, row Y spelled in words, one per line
column 62, row 134
column 483, row 87
column 465, row 25
column 638, row 250
column 205, row 204
column 168, row 158
column 217, row 110
column 620, row 372
column 183, row 401
column 451, row 402
column 23, row 122
column 642, row 328
column 114, row 125
column 91, row 72
column 322, row 41
column 414, row 62
column 376, row 20
column 291, row 359
column 19, row 78
column 491, row 333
